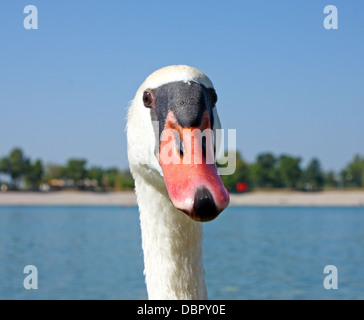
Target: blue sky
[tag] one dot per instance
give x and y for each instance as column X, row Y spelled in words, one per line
column 284, row 82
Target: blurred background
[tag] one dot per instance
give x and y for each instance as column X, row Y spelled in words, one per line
column 285, row 83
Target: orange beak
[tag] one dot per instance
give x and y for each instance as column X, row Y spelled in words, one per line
column 186, row 156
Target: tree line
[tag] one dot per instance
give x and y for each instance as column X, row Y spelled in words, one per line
column 25, row 174
column 285, row 171
column 267, row 172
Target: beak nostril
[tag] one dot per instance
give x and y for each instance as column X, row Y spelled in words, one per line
column 181, row 149
column 179, row 146
column 204, row 147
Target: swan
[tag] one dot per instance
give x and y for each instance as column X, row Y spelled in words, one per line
column 174, row 198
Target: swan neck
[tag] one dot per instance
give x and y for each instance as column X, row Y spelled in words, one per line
column 172, row 246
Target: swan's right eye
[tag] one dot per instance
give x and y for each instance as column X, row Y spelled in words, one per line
column 148, row 99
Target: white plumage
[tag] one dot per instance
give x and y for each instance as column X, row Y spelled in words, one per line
column 171, row 241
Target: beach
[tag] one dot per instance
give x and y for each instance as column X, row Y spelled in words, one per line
column 127, row 198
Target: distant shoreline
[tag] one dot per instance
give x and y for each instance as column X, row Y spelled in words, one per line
column 127, row 198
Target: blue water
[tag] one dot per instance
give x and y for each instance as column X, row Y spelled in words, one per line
column 249, row 252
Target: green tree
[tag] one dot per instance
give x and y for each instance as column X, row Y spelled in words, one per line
column 353, row 175
column 111, row 177
column 75, row 170
column 290, row 171
column 125, row 180
column 53, row 171
column 16, row 165
column 5, row 165
column 313, row 176
column 97, row 173
column 265, row 173
column 241, row 174
column 35, row 174
column 331, row 180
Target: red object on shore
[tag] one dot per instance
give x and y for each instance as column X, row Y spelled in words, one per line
column 241, row 187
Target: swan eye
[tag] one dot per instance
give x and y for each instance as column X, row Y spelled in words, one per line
column 213, row 97
column 148, row 99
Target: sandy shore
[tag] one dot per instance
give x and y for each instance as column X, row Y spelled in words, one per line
column 259, row 198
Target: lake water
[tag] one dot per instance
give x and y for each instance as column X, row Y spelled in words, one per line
column 249, row 252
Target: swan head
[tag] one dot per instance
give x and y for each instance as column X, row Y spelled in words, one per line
column 170, row 132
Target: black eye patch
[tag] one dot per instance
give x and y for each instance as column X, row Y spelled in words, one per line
column 187, row 100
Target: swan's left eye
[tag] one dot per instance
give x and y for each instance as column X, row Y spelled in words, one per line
column 148, row 99
column 213, row 97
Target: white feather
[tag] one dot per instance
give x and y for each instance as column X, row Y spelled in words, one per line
column 172, row 242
